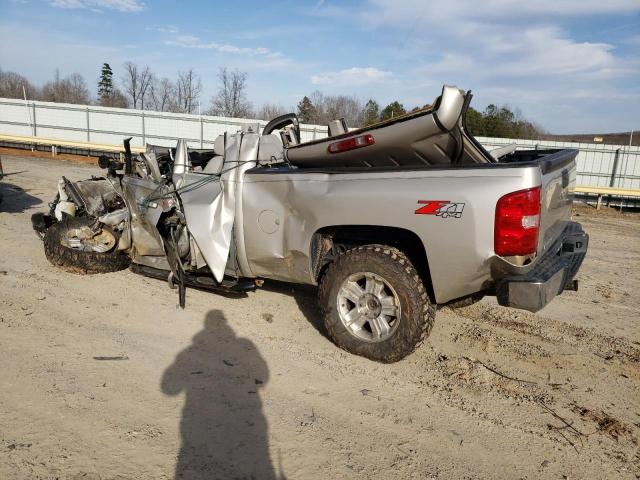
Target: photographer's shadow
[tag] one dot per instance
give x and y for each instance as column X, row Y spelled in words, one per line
column 224, row 432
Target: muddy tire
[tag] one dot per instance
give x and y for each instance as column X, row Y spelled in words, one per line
column 374, row 303
column 79, row 261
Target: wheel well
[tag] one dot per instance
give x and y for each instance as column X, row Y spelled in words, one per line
column 329, row 242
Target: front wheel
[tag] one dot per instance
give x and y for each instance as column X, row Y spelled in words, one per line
column 375, row 303
column 73, row 246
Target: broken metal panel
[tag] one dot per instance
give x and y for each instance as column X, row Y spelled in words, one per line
column 197, row 260
column 204, row 212
column 181, row 161
column 210, row 206
column 143, row 218
column 159, row 262
column 115, row 218
column 95, row 194
column 250, row 151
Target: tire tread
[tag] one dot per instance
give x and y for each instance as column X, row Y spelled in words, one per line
column 398, row 261
column 75, row 261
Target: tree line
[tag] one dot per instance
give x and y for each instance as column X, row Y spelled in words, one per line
column 500, row 121
column 138, row 87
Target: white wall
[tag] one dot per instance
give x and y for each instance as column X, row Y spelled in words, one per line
column 595, row 161
column 110, row 125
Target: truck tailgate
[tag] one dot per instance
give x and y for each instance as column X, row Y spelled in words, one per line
column 562, row 244
column 558, row 184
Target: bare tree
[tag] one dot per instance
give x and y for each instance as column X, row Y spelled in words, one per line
column 78, row 91
column 71, row 89
column 130, row 82
column 117, row 99
column 11, row 84
column 136, row 83
column 146, row 78
column 269, row 111
column 231, row 100
column 341, row 106
column 332, row 107
column 162, row 95
column 189, row 88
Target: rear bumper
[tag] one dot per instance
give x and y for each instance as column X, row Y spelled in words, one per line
column 551, row 275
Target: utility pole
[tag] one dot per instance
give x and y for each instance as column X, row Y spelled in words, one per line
column 26, row 105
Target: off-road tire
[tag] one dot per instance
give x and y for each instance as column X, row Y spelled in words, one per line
column 417, row 311
column 78, row 261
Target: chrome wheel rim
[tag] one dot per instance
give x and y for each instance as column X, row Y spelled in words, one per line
column 369, row 307
column 84, row 239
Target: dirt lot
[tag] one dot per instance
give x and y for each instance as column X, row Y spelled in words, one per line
column 103, row 378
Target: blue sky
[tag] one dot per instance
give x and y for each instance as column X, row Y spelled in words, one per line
column 570, row 65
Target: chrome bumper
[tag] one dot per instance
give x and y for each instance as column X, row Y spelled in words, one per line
column 552, row 274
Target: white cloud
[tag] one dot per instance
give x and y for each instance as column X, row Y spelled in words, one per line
column 96, row 5
column 415, row 11
column 170, row 29
column 352, row 76
column 507, row 52
column 189, row 41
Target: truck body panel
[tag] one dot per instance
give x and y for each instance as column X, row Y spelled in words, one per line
column 283, row 210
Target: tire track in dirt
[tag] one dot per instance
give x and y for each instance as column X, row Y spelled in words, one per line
column 552, row 331
column 514, row 368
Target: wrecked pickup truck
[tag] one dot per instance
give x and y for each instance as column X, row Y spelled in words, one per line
column 388, row 220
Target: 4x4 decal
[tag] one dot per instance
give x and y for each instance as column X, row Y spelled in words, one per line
column 440, row 208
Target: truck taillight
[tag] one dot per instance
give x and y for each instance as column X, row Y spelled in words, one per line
column 517, row 223
column 351, row 143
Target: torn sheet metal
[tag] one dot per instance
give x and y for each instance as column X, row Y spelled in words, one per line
column 209, row 206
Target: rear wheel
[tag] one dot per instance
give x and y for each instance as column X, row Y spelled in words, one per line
column 73, row 246
column 375, row 303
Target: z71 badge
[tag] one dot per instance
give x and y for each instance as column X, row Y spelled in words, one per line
column 440, row 208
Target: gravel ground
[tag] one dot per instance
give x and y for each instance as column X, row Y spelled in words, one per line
column 104, row 378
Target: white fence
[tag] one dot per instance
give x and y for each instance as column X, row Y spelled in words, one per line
column 598, row 165
column 88, row 123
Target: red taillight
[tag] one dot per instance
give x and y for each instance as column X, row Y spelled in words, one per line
column 351, row 143
column 517, row 223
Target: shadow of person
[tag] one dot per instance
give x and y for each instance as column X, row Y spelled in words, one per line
column 14, row 199
column 224, row 432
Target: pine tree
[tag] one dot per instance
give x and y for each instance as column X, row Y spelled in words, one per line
column 393, row 110
column 306, row 111
column 105, row 85
column 371, row 112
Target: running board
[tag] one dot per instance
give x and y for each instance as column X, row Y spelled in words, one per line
column 198, row 281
